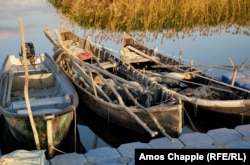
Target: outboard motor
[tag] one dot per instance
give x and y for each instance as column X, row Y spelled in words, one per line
column 30, row 50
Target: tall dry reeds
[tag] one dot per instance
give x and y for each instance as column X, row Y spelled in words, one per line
column 154, row 15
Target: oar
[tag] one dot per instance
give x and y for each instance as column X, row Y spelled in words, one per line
column 198, row 65
column 144, row 55
column 57, row 43
column 106, row 73
column 159, row 126
column 87, row 78
column 131, row 113
column 188, row 82
column 160, row 64
column 198, row 75
column 26, row 86
column 218, row 82
column 49, row 35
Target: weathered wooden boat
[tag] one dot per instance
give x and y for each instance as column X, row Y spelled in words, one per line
column 52, row 99
column 210, row 102
column 116, row 91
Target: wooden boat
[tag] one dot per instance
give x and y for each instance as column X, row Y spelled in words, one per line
column 52, row 99
column 210, row 102
column 116, row 91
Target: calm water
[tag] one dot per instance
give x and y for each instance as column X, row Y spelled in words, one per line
column 37, row 15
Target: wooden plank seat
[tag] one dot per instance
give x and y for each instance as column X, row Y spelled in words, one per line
column 40, row 111
column 36, row 93
column 41, row 80
column 48, row 102
column 107, row 64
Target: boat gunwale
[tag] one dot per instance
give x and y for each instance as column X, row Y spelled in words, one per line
column 57, row 113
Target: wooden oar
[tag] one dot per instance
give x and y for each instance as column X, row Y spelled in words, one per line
column 153, row 133
column 58, row 43
column 162, row 65
column 107, row 73
column 132, row 114
column 120, row 100
column 93, row 83
column 218, row 82
column 89, row 65
column 49, row 35
column 26, row 86
column 188, row 82
column 143, row 54
column 159, row 126
column 198, row 75
column 198, row 65
column 87, row 79
column 123, row 106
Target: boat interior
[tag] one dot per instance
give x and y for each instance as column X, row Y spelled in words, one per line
column 179, row 82
column 147, row 93
column 44, row 91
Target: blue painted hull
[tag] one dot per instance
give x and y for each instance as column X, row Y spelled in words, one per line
column 242, row 79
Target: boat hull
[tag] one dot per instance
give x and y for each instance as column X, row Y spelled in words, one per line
column 168, row 116
column 20, row 128
column 52, row 100
column 117, row 92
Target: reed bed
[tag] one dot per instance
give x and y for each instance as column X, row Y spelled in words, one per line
column 165, row 16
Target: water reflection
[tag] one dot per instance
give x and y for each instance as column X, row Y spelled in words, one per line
column 36, row 14
column 107, row 134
